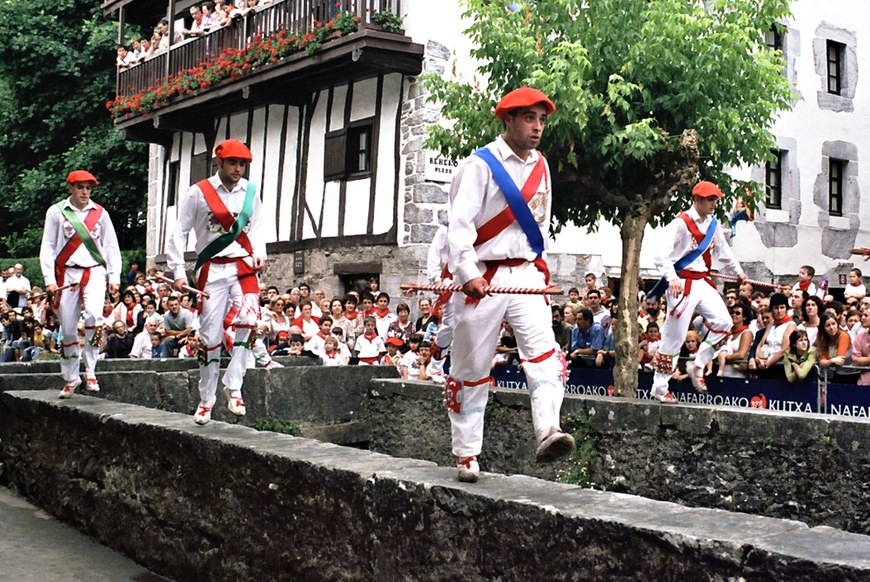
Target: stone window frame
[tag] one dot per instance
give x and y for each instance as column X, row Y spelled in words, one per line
column 837, row 169
column 826, row 34
column 847, row 152
column 789, row 210
column 776, row 190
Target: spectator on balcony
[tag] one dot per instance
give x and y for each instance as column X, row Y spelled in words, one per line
column 239, row 12
column 195, row 29
column 210, row 18
column 163, row 29
column 222, row 11
column 125, row 58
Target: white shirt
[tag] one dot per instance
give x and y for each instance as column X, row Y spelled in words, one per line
column 194, row 214
column 858, row 291
column 475, row 198
column 142, row 346
column 57, row 233
column 439, row 254
column 684, row 242
column 21, row 285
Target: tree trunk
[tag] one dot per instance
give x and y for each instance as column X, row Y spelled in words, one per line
column 626, row 326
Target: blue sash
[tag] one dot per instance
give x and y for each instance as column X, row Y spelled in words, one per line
column 687, row 260
column 515, row 200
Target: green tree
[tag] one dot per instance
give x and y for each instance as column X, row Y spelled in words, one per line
column 57, row 70
column 651, row 97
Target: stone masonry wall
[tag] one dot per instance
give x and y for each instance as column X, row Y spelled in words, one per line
column 226, row 502
column 806, row 467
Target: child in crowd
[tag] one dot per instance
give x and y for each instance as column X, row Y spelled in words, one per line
column 392, row 357
column 190, row 348
column 800, row 358
column 282, row 344
column 415, row 361
column 296, row 345
column 649, row 343
column 316, row 344
column 687, row 352
column 855, row 290
column 331, row 355
column 369, row 345
column 805, row 280
column 368, row 304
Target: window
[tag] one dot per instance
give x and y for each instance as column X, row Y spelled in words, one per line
column 172, row 183
column 199, row 167
column 835, row 186
column 835, row 52
column 773, row 38
column 773, row 181
column 349, row 152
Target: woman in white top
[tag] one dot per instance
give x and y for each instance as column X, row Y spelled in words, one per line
column 812, row 309
column 736, row 350
column 278, row 321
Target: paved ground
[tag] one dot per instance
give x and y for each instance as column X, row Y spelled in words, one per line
column 36, row 547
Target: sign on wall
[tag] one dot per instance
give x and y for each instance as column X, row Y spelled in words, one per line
column 438, row 168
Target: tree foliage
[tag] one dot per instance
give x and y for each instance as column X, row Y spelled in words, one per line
column 651, row 96
column 56, row 73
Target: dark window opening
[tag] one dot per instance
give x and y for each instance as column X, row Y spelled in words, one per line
column 172, row 183
column 836, row 52
column 835, row 187
column 773, row 38
column 349, row 153
column 773, row 181
column 199, row 167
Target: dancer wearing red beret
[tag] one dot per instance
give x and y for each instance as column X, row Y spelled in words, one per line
column 500, row 203
column 79, row 246
column 225, row 213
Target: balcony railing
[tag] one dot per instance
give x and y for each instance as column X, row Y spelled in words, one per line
column 296, row 16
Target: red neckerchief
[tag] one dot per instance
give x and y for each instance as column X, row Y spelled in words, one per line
column 382, row 314
column 369, row 312
column 786, row 319
column 738, row 330
column 655, row 338
column 370, row 337
column 332, row 355
column 189, row 353
column 320, row 335
column 129, row 317
column 805, row 285
column 351, row 315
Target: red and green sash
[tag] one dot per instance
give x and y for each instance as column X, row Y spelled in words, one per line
column 234, row 226
column 81, row 237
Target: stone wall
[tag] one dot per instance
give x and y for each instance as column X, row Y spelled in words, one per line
column 226, row 502
column 807, row 467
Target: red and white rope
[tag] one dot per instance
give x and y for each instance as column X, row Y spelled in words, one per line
column 489, row 289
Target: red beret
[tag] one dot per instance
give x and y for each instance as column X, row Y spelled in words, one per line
column 706, row 189
column 81, row 176
column 523, row 97
column 394, row 341
column 233, row 148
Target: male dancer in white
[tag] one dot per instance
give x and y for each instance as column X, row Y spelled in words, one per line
column 500, row 203
column 79, row 245
column 691, row 290
column 224, row 212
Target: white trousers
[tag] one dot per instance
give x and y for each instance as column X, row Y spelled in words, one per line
column 223, row 285
column 475, row 337
column 704, row 300
column 92, row 295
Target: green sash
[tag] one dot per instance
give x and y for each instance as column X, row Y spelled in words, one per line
column 83, row 233
column 234, row 231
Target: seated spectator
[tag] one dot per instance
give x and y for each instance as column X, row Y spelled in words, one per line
column 281, row 347
column 653, row 311
column 124, row 57
column 190, row 348
column 855, row 290
column 812, row 308
column 777, row 340
column 852, row 322
column 648, row 344
column 316, row 345
column 369, row 346
column 196, row 24
column 415, row 363
column 732, row 355
column 331, row 355
column 687, row 354
column 586, row 339
column 861, row 348
column 606, row 356
column 402, row 327
column 506, row 352
column 561, row 330
column 177, row 325
column 120, row 341
column 800, row 358
column 309, row 325
column 393, row 357
column 600, row 314
column 278, row 320
column 127, row 310
column 832, row 345
column 569, row 316
column 805, row 280
column 574, row 300
column 142, row 343
column 38, row 344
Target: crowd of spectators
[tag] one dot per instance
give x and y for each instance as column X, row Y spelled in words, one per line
column 204, row 18
column 785, row 334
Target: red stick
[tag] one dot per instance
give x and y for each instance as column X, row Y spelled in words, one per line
column 500, row 289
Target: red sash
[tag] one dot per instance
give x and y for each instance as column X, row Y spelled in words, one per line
column 74, row 243
column 697, row 235
column 495, row 225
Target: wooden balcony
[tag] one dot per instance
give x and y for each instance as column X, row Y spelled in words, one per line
column 365, row 53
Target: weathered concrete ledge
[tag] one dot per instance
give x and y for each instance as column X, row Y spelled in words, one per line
column 227, row 502
column 807, row 467
column 126, row 364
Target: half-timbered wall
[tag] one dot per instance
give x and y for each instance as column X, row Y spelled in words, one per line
column 303, row 209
